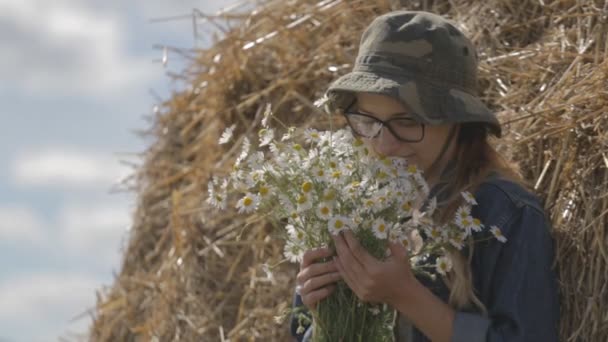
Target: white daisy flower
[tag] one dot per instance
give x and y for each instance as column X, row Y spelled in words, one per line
column 215, row 198
column 264, row 190
column 256, row 160
column 443, row 265
column 304, row 202
column 296, row 235
column 465, row 223
column 324, row 210
column 476, row 225
column 248, row 203
column 369, row 204
column 226, row 135
column 463, row 211
column 311, row 135
column 293, row 252
column 468, row 197
column 338, row 223
column 266, row 135
column 329, row 195
column 319, row 173
column 353, row 189
column 307, row 187
column 380, row 228
column 436, row 233
column 337, row 176
column 413, row 170
column 406, row 206
column 498, row 234
column 457, row 239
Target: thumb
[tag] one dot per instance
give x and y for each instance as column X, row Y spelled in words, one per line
column 398, row 250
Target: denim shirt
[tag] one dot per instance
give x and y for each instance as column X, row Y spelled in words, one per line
column 515, row 280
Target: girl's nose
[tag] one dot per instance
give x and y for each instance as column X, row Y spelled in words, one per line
column 385, row 143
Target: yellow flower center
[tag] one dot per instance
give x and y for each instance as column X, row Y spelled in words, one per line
column 306, row 187
column 329, row 195
column 263, row 191
column 476, row 221
column 325, row 210
column 339, row 224
column 301, row 199
column 247, row 201
column 406, row 206
column 336, row 174
column 297, row 147
column 412, row 169
column 332, row 165
column 381, row 228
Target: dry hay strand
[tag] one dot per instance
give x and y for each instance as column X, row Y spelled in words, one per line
column 191, row 273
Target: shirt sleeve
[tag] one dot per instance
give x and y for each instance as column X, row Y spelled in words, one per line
column 517, row 284
column 304, row 334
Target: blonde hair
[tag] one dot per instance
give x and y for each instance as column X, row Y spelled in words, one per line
column 476, row 158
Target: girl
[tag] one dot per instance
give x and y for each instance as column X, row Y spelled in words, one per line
column 411, row 94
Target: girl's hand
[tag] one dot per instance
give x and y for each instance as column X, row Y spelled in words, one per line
column 316, row 279
column 390, row 281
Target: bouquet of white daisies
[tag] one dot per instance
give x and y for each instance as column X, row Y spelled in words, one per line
column 313, row 184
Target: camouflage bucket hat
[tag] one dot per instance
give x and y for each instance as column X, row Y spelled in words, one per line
column 422, row 60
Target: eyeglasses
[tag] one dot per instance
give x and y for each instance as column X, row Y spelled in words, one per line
column 367, row 126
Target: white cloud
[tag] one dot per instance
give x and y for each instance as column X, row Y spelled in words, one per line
column 66, row 48
column 21, row 224
column 67, row 167
column 46, row 303
column 96, row 229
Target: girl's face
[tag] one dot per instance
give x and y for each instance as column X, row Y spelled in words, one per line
column 422, row 153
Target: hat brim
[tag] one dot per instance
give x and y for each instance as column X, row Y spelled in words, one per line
column 428, row 103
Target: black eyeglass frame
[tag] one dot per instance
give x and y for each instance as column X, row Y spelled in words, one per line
column 384, row 123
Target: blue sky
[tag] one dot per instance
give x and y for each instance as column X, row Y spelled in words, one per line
column 75, row 83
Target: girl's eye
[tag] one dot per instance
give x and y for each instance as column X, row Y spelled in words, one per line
column 404, row 123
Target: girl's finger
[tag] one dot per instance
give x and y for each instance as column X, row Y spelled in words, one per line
column 346, row 275
column 315, row 270
column 315, row 283
column 347, row 259
column 312, row 255
column 312, row 298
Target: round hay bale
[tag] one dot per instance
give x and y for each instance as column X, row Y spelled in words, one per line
column 190, row 273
